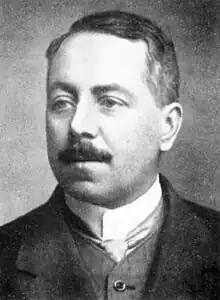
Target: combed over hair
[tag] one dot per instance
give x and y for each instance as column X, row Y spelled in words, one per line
column 162, row 72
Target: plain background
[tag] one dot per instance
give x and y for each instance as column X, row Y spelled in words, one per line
column 27, row 27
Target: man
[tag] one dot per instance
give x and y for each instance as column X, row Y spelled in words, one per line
column 113, row 228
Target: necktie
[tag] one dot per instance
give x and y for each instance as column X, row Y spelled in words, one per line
column 117, row 249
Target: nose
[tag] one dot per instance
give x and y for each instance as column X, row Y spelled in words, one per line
column 85, row 120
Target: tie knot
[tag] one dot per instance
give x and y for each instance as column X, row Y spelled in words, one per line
column 115, row 248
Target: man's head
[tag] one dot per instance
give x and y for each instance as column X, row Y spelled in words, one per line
column 113, row 86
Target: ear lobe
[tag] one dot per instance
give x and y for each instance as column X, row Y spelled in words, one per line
column 170, row 126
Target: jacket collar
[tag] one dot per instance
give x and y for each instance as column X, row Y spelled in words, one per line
column 49, row 256
column 46, row 241
column 48, row 249
column 183, row 259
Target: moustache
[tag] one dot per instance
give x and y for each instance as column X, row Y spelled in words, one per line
column 83, row 151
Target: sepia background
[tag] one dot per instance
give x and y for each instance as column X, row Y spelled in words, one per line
column 27, row 27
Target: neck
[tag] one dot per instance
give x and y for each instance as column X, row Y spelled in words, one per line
column 137, row 191
column 90, row 213
column 99, row 218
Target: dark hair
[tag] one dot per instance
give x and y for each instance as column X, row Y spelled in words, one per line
column 162, row 67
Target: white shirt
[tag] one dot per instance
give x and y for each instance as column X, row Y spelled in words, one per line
column 117, row 223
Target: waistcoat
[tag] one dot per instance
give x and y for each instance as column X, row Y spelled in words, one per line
column 111, row 280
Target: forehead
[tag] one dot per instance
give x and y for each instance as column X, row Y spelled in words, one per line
column 99, row 57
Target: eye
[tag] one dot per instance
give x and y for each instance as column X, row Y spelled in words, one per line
column 110, row 102
column 62, row 104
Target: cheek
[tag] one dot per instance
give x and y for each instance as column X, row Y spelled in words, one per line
column 137, row 133
column 57, row 132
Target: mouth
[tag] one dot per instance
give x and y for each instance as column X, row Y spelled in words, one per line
column 71, row 160
column 82, row 161
column 70, row 157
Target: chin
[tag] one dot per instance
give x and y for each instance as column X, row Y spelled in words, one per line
column 86, row 191
column 96, row 193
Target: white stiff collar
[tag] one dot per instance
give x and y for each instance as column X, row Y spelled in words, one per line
column 117, row 223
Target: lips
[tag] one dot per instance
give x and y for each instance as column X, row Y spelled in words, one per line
column 80, row 158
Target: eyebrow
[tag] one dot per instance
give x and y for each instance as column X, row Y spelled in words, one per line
column 114, row 87
column 96, row 90
column 69, row 88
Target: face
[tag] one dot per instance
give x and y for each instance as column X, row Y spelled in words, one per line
column 103, row 125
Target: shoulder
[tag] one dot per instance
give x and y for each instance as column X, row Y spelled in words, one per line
column 206, row 215
column 185, row 206
column 203, row 224
column 191, row 219
column 13, row 236
column 13, row 232
column 43, row 219
column 191, row 238
column 199, row 229
column 38, row 218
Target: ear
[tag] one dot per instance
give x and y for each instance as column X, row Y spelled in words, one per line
column 172, row 116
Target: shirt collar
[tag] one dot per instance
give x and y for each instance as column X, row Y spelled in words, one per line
column 117, row 223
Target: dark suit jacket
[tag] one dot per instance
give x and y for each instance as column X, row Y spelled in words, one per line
column 37, row 254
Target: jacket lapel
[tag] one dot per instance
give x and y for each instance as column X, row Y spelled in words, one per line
column 48, row 263
column 182, row 256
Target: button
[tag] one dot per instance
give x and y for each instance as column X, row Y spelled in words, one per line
column 119, row 286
